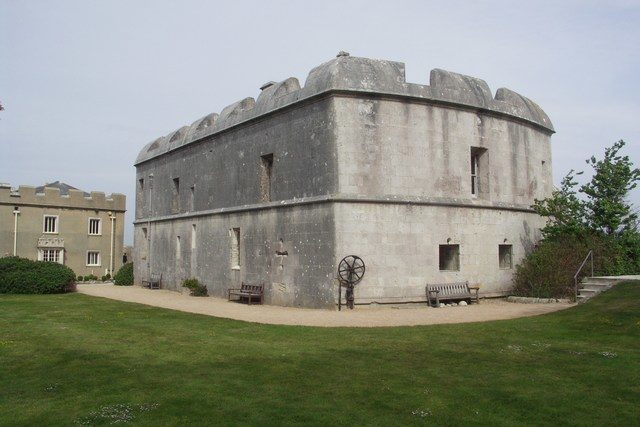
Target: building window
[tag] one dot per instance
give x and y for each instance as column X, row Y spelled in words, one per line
column 140, row 198
column 193, row 237
column 479, row 172
column 50, row 255
column 450, row 257
column 265, row 177
column 235, row 248
column 175, row 206
column 505, row 257
column 93, row 258
column 178, row 247
column 192, row 198
column 95, row 226
column 50, row 224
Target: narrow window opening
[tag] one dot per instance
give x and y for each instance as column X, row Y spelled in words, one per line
column 95, row 228
column 193, row 237
column 192, row 198
column 144, row 233
column 265, row 177
column 505, row 257
column 450, row 257
column 178, row 248
column 93, row 258
column 479, row 168
column 50, row 224
column 235, row 248
column 175, row 206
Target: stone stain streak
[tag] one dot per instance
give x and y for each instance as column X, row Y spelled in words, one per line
column 359, row 161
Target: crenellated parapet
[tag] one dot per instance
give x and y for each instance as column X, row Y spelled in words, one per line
column 346, row 73
column 27, row 195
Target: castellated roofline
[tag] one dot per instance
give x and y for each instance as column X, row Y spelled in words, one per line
column 354, row 74
column 26, row 195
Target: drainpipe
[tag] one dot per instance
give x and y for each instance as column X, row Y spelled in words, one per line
column 112, row 217
column 16, row 212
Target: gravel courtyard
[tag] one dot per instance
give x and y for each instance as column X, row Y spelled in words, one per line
column 361, row 316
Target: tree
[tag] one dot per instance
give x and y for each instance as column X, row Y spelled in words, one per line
column 606, row 206
column 564, row 210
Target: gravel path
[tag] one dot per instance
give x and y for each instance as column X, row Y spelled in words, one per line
column 361, row 316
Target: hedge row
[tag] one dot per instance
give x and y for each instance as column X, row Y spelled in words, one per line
column 24, row 276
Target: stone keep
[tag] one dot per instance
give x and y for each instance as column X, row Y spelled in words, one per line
column 427, row 183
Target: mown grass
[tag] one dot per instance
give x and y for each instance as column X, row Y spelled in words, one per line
column 73, row 359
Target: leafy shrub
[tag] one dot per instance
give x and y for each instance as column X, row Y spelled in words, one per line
column 90, row 277
column 24, row 276
column 105, row 277
column 197, row 289
column 124, row 276
column 548, row 271
column 80, row 279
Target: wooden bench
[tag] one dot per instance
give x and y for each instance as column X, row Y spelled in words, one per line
column 153, row 282
column 248, row 291
column 451, row 291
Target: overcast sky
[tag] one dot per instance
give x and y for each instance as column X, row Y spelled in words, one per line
column 86, row 84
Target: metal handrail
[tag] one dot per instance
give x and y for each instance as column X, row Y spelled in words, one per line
column 575, row 276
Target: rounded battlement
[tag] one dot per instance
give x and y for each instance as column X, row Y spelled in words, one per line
column 346, row 74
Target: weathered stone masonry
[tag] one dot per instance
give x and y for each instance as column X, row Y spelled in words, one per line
column 426, row 183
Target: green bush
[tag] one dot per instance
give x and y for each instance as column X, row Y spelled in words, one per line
column 124, row 276
column 80, row 279
column 105, row 277
column 90, row 277
column 197, row 289
column 24, row 276
column 547, row 272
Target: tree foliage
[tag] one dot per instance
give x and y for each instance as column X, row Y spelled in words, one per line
column 564, row 210
column 607, row 209
column 593, row 217
column 600, row 205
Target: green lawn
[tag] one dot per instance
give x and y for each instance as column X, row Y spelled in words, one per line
column 73, row 359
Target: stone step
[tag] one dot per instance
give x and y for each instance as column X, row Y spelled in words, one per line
column 607, row 280
column 587, row 292
column 595, row 286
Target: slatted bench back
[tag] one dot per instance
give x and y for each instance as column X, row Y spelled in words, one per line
column 450, row 289
column 251, row 288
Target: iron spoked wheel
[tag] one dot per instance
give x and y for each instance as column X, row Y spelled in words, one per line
column 351, row 269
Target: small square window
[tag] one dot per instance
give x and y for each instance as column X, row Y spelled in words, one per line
column 95, row 227
column 450, row 257
column 93, row 258
column 50, row 224
column 505, row 257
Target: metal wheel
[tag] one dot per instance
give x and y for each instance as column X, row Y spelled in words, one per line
column 351, row 269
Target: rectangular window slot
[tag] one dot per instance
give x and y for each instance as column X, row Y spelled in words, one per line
column 93, row 258
column 505, row 257
column 449, row 257
column 175, row 205
column 50, row 224
column 192, row 198
column 95, row 228
column 235, row 248
column 178, row 247
column 265, row 177
column 479, row 168
column 193, row 237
